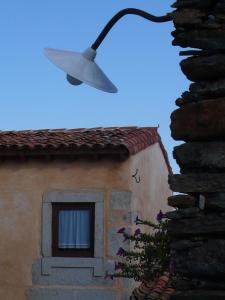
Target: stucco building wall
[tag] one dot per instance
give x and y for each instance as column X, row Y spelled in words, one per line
column 150, row 195
column 22, row 186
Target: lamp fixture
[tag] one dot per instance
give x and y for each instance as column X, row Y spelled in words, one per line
column 81, row 67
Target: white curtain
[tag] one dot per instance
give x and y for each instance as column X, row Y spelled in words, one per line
column 74, row 227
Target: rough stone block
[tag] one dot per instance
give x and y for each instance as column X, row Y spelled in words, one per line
column 181, row 245
column 220, row 6
column 190, row 97
column 202, row 121
column 199, row 295
column 205, row 261
column 186, row 284
column 197, row 183
column 210, row 94
column 207, row 89
column 182, row 201
column 215, row 205
column 188, row 17
column 183, row 284
column 204, row 68
column 181, row 101
column 193, row 3
column 206, row 225
column 202, row 39
column 208, row 156
column 215, row 202
column 187, row 213
column 208, row 284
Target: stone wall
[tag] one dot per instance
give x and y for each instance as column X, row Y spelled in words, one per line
column 197, row 227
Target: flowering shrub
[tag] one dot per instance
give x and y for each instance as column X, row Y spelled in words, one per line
column 150, row 256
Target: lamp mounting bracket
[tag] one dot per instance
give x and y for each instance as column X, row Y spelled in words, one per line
column 122, row 13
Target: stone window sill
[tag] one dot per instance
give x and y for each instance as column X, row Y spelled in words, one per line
column 67, row 262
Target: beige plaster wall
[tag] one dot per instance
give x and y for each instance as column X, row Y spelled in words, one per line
column 22, row 185
column 150, row 195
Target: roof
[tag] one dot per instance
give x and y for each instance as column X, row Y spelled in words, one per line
column 123, row 141
column 159, row 289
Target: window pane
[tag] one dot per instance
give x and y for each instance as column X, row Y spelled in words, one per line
column 74, row 229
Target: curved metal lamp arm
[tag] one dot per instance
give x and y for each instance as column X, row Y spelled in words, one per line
column 122, row 13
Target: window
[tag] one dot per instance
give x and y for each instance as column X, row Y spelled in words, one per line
column 60, row 262
column 73, row 229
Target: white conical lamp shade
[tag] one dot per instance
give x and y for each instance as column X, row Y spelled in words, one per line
column 81, row 67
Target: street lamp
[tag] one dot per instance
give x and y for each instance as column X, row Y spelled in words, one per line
column 81, row 67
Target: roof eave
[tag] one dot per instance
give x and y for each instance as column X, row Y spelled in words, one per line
column 120, row 153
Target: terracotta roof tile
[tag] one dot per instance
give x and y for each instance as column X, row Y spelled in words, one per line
column 130, row 140
column 160, row 289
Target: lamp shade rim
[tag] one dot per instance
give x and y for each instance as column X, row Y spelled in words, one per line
column 79, row 67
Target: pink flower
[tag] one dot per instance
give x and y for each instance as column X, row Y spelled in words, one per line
column 121, row 230
column 120, row 252
column 137, row 232
column 160, row 216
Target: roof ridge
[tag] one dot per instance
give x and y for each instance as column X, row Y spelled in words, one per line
column 77, row 129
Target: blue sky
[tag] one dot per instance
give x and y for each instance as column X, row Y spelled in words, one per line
column 137, row 56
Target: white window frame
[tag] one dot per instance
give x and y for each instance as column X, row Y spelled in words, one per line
column 48, row 261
